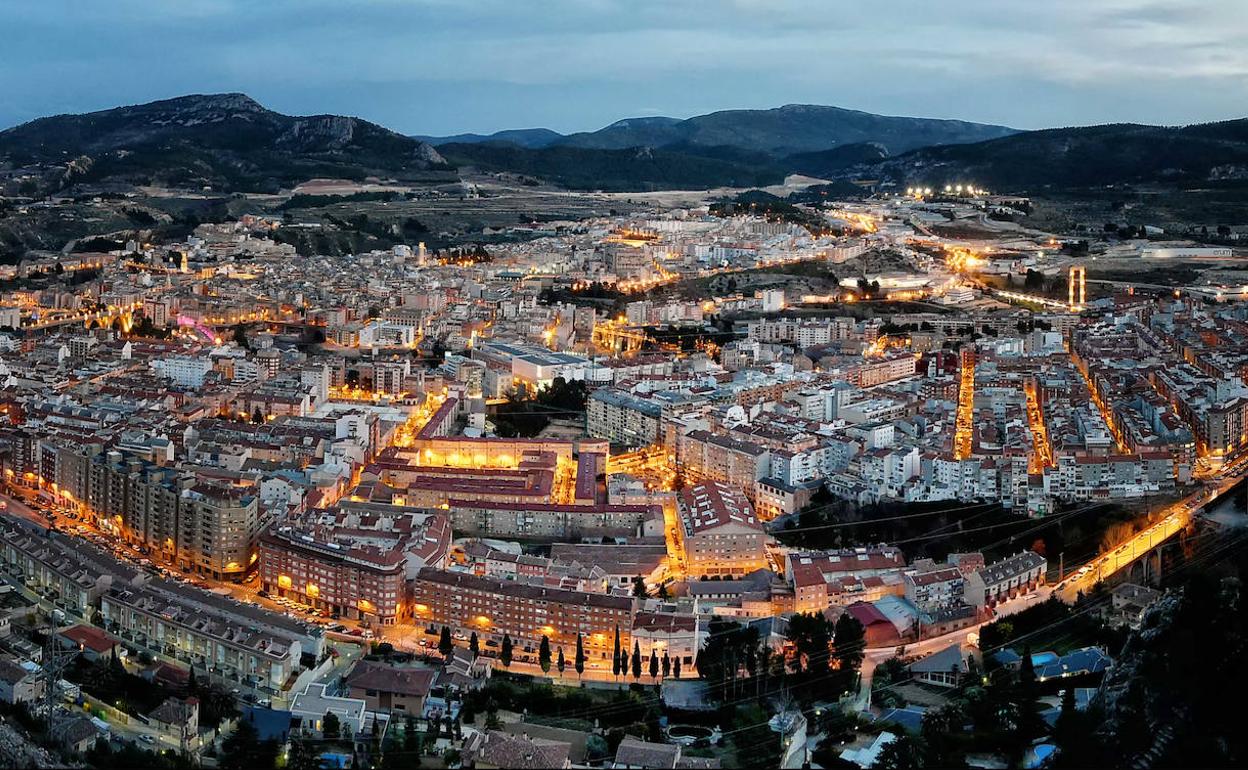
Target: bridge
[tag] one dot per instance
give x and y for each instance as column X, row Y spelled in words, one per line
column 1140, row 557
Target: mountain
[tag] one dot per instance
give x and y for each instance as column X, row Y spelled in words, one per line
column 225, row 141
column 524, row 137
column 793, row 128
column 826, row 163
column 636, row 168
column 1078, row 157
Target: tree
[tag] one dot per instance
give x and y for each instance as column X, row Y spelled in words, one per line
column 543, row 654
column 257, row 416
column 243, row 749
column 504, row 654
column 636, row 660
column 411, row 737
column 445, row 645
column 639, row 587
column 809, row 634
column 667, row 665
column 302, row 756
column 330, row 726
column 676, row 668
column 654, row 664
column 474, row 645
column 560, row 663
column 905, row 753
column 663, row 593
column 850, row 644
column 617, row 662
column 579, row 662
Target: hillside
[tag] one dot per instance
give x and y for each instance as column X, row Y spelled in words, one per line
column 524, row 137
column 223, row 141
column 632, row 169
column 1078, row 157
column 793, row 128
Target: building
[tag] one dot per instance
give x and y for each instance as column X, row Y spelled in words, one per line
column 354, row 561
column 212, row 633
column 934, row 588
column 495, row 608
column 501, row 750
column 384, row 687
column 19, row 684
column 1005, row 579
column 622, row 418
column 719, row 533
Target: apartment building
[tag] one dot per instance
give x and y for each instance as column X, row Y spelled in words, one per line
column 703, row 455
column 719, row 533
column 493, row 608
column 354, row 562
column 213, row 633
column 623, row 418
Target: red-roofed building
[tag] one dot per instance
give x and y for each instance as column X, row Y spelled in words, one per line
column 719, row 531
column 94, row 643
column 880, row 631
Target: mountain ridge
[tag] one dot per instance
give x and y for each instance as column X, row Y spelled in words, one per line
column 224, row 141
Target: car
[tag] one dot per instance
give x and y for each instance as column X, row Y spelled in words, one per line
column 148, row 739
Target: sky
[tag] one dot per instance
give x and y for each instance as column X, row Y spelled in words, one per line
column 446, row 66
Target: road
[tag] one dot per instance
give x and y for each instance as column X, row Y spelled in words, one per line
column 1178, row 517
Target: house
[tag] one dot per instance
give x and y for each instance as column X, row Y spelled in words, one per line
column 500, row 750
column 943, row 669
column 636, row 753
column 78, row 735
column 19, row 684
column 384, row 687
column 177, row 716
column 94, row 643
column 867, row 755
column 577, row 740
column 1087, row 660
column 1128, row 603
column 1005, row 579
column 311, row 706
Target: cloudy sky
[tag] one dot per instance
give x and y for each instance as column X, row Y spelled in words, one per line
column 443, row 66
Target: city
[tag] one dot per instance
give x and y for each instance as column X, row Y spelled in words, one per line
column 325, row 446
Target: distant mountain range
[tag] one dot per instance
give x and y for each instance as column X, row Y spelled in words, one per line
column 794, row 128
column 224, row 141
column 229, row 142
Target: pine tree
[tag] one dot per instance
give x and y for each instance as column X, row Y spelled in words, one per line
column 445, row 645
column 636, row 660
column 617, row 663
column 667, row 665
column 504, row 654
column 474, row 645
column 579, row 662
column 654, row 664
column 560, row 663
column 676, row 668
column 543, row 655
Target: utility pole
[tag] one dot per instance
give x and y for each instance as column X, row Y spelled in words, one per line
column 55, row 661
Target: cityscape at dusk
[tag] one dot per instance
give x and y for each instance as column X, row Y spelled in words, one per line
column 393, row 384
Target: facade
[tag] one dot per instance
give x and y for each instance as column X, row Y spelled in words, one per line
column 354, row 563
column 719, row 533
column 493, row 608
column 1005, row 579
column 622, row 418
